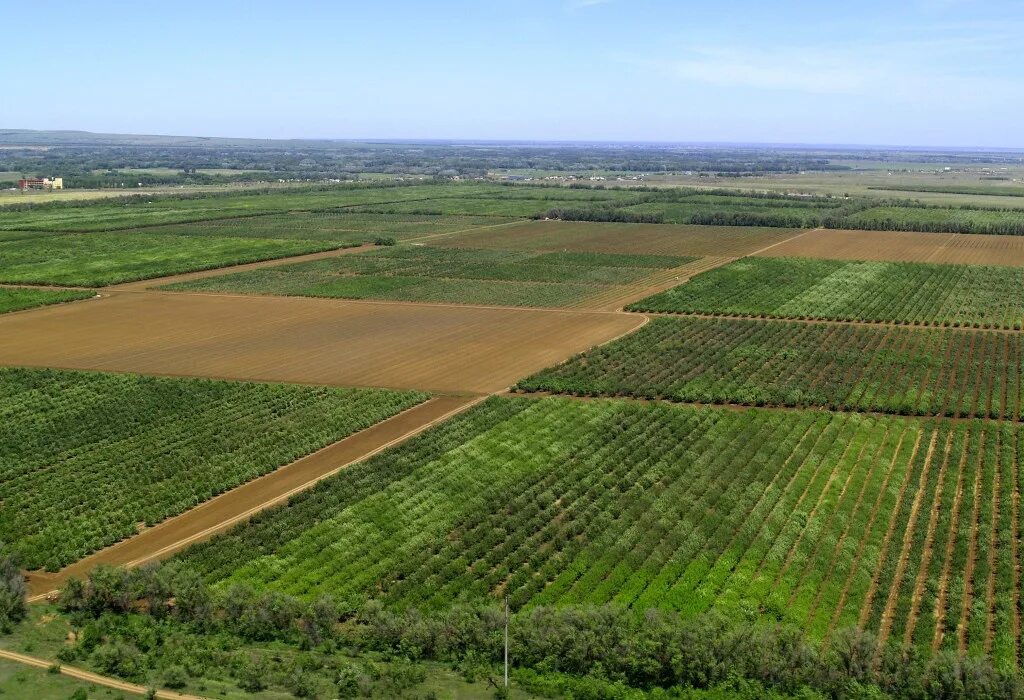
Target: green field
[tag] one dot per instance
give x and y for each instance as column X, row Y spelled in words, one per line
column 140, row 211
column 839, row 367
column 97, row 259
column 420, row 273
column 915, row 293
column 812, row 518
column 12, row 299
column 706, row 206
column 87, row 457
column 331, row 226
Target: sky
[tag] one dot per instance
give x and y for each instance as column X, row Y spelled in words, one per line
column 892, row 72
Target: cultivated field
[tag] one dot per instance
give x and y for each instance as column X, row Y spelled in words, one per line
column 844, row 367
column 337, row 227
column 136, row 212
column 917, row 293
column 236, row 505
column 898, row 246
column 467, row 276
column 811, row 426
column 818, row 519
column 626, row 239
column 73, row 440
column 98, row 259
column 16, row 299
column 317, row 341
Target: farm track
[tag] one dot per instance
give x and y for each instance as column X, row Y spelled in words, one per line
column 90, row 677
column 239, row 504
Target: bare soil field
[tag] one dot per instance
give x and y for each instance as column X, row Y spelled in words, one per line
column 900, row 246
column 652, row 239
column 429, row 347
column 236, row 505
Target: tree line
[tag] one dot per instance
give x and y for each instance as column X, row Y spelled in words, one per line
column 649, row 650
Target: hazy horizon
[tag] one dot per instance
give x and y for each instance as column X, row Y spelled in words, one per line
column 924, row 74
column 539, row 142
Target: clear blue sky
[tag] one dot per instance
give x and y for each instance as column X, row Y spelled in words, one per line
column 912, row 72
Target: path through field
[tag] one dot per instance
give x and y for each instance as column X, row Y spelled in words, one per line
column 96, row 678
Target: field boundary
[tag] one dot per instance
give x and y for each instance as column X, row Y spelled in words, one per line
column 732, row 406
column 823, row 321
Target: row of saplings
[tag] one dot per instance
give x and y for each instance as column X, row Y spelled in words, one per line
column 156, row 622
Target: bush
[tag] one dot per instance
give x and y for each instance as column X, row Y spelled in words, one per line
column 13, row 590
column 175, row 677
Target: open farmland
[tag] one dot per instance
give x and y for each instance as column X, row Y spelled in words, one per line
column 16, row 299
column 845, row 367
column 71, row 440
column 320, row 341
column 639, row 239
column 489, row 277
column 337, row 227
column 98, row 259
column 899, row 246
column 134, row 212
column 732, row 209
column 818, row 519
column 915, row 293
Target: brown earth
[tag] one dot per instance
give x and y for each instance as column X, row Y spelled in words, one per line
column 653, row 239
column 237, row 505
column 320, row 341
column 900, row 246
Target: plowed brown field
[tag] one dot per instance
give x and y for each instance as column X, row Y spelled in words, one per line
column 321, row 341
column 653, row 239
column 899, row 246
